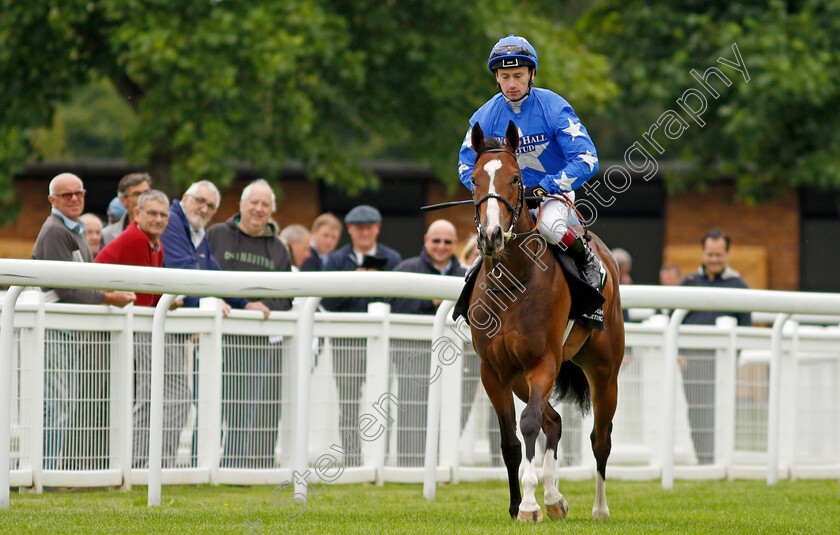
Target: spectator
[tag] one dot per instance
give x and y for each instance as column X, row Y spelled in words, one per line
column 129, row 190
column 699, row 365
column 185, row 246
column 139, row 245
column 437, row 258
column 115, row 210
column 326, row 231
column 363, row 224
column 470, row 252
column 93, row 232
column 62, row 237
column 251, row 369
column 625, row 264
column 412, row 365
column 297, row 241
column 669, row 275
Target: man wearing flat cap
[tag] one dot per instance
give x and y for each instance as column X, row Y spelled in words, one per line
column 363, row 253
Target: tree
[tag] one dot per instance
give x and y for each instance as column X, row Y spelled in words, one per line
column 778, row 129
column 329, row 83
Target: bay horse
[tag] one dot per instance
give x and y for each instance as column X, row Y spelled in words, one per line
column 527, row 343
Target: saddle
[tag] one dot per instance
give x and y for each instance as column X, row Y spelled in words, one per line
column 587, row 302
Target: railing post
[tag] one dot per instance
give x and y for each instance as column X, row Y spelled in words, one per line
column 303, row 365
column 7, row 338
column 377, row 376
column 726, row 373
column 209, row 414
column 671, row 356
column 156, row 417
column 121, row 427
column 435, row 391
column 774, row 398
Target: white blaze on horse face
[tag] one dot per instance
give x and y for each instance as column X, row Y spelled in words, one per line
column 493, row 212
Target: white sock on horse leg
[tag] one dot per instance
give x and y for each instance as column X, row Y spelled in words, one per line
column 549, row 480
column 529, row 488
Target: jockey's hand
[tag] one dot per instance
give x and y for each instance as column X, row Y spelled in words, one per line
column 534, row 191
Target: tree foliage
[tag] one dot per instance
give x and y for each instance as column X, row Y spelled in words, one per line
column 779, row 130
column 215, row 83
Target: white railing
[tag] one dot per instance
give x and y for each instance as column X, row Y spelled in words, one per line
column 651, row 437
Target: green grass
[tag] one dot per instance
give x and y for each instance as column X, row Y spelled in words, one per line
column 719, row 507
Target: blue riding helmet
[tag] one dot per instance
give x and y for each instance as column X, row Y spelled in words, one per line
column 512, row 51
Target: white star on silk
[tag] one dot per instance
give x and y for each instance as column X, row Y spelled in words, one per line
column 531, row 159
column 588, row 158
column 574, row 130
column 565, row 182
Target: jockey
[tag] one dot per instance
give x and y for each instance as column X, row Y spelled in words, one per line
column 556, row 154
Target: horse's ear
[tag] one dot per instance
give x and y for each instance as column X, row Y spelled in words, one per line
column 477, row 137
column 512, row 136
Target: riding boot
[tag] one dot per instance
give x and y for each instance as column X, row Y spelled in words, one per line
column 589, row 264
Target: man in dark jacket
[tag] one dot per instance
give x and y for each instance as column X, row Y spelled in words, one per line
column 251, row 364
column 349, row 354
column 363, row 224
column 436, row 258
column 324, row 234
column 412, row 365
column 699, row 365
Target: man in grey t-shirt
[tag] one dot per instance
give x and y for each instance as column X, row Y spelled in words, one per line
column 62, row 237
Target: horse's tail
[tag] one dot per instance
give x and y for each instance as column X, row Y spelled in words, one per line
column 571, row 385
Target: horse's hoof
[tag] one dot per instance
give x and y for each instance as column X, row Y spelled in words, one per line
column 530, row 516
column 600, row 514
column 557, row 511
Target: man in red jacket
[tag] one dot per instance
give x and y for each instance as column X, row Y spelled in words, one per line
column 139, row 245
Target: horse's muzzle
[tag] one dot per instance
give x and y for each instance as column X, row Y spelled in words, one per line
column 491, row 243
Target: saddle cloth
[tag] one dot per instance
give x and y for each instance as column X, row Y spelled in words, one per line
column 587, row 302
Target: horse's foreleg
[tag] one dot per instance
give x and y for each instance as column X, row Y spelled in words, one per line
column 502, row 400
column 556, row 506
column 604, row 397
column 540, row 381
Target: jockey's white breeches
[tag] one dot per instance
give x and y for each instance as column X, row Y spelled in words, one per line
column 556, row 218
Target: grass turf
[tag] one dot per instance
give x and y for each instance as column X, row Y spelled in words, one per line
column 718, row 507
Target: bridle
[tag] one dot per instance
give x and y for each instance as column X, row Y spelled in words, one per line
column 514, row 210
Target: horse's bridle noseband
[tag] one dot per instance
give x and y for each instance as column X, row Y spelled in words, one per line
column 514, row 210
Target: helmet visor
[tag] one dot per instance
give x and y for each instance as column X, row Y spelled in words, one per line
column 510, row 50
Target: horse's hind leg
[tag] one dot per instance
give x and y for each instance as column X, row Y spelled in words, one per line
column 556, row 506
column 502, row 400
column 603, row 382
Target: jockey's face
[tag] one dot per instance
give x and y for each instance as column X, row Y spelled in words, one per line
column 514, row 82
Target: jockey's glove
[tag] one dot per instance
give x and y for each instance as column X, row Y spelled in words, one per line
column 538, row 193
